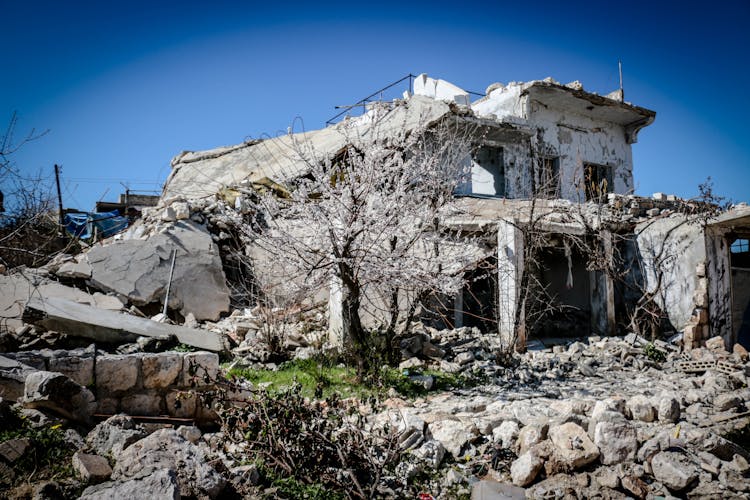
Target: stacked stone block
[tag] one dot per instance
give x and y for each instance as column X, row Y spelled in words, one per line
column 698, row 329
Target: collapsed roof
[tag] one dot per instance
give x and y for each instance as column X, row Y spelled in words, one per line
column 204, row 173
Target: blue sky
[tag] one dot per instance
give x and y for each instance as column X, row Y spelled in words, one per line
column 124, row 87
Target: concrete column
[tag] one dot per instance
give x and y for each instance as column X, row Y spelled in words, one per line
column 509, row 267
column 335, row 314
column 602, row 298
column 458, row 310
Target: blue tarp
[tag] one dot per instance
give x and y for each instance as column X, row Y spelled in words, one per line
column 81, row 225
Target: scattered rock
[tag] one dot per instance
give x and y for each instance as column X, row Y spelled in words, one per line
column 573, row 448
column 617, row 442
column 158, row 484
column 525, row 468
column 57, row 393
column 452, row 434
column 91, row 468
column 111, row 437
column 674, row 470
column 641, row 408
column 167, row 449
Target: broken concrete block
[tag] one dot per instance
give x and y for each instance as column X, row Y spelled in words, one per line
column 716, row 344
column 57, row 393
column 91, row 468
column 139, row 270
column 17, row 289
column 77, row 269
column 13, row 449
column 109, row 326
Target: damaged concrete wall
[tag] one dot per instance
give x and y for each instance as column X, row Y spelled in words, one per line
column 719, row 283
column 671, row 248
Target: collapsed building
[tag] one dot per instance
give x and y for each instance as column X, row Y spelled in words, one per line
column 562, row 156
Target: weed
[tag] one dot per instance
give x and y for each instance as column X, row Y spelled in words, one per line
column 654, row 354
column 48, row 456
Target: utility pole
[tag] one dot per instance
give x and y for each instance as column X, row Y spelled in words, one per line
column 59, row 202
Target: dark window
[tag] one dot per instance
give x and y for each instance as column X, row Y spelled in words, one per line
column 598, row 181
column 490, row 158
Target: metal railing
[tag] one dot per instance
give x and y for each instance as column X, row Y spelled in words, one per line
column 372, row 98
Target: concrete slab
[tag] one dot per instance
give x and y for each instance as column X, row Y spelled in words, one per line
column 109, row 326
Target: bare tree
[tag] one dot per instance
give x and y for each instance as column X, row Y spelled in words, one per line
column 366, row 223
column 28, row 224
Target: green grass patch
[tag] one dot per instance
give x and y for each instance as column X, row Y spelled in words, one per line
column 323, row 378
column 317, row 379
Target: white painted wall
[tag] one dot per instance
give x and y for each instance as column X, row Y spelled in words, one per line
column 574, row 138
column 682, row 247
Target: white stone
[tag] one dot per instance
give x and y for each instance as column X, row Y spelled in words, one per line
column 506, row 433
column 617, row 442
column 572, row 445
column 453, row 434
column 674, row 470
column 91, row 468
column 641, row 408
column 525, row 468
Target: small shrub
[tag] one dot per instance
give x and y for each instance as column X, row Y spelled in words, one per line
column 654, row 353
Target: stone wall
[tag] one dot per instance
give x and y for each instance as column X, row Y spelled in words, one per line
column 143, row 384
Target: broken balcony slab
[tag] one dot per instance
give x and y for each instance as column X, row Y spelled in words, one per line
column 108, row 326
column 17, row 289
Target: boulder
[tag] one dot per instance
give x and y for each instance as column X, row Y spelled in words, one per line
column 525, row 468
column 111, row 437
column 617, row 442
column 431, row 453
column 57, row 393
column 158, row 484
column 139, row 270
column 529, row 436
column 91, row 468
column 506, row 433
column 675, row 470
column 573, row 448
column 668, row 409
column 452, row 434
column 167, row 449
column 641, row 408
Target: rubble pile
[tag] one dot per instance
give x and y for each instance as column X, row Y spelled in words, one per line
column 609, row 417
column 598, row 418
